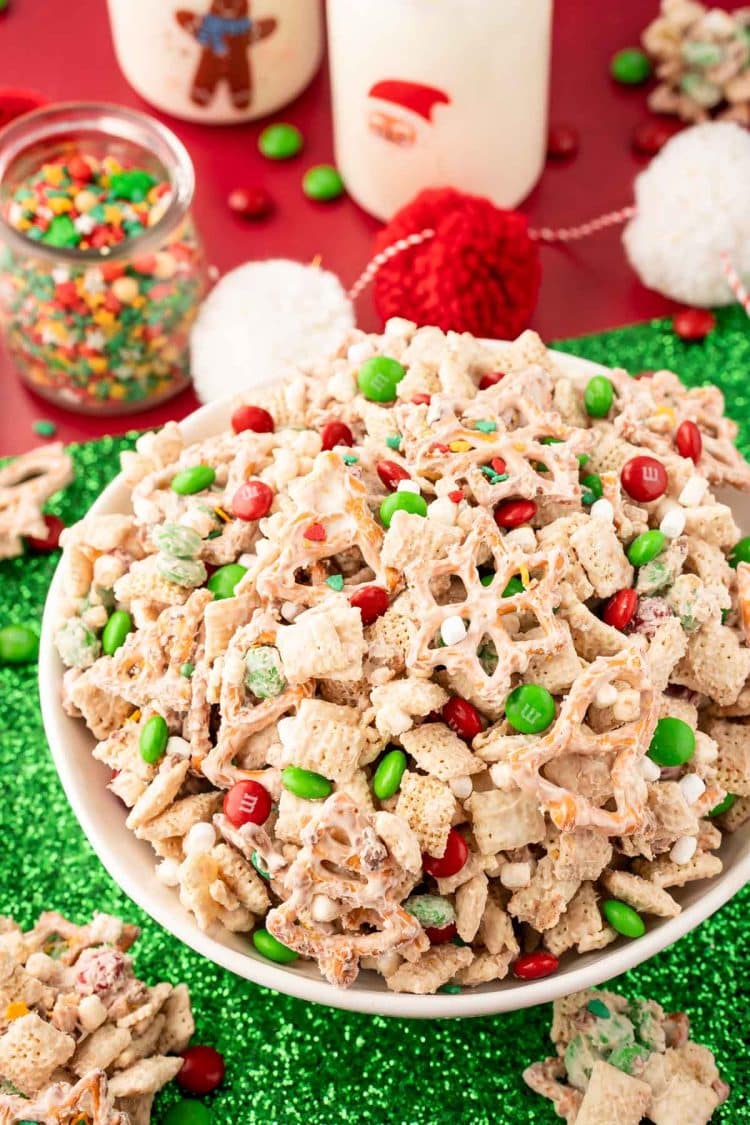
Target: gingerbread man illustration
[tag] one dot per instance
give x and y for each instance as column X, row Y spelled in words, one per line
column 226, row 33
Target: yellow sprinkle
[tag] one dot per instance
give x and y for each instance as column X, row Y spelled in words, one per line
column 104, row 317
column 460, row 446
column 15, row 1011
column 479, row 436
column 112, row 214
column 117, row 391
column 135, row 716
column 98, row 364
column 223, row 515
column 669, row 411
column 524, row 572
column 58, row 205
column 53, row 173
column 519, row 446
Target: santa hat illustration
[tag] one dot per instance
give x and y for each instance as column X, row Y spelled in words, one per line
column 412, row 96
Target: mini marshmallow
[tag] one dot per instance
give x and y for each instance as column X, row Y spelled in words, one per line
column 359, row 352
column 693, row 492
column 692, row 787
column 673, row 523
column 246, row 560
column 408, row 486
column 683, row 850
column 442, row 510
column 41, row 966
column 323, row 909
column 91, row 1013
column 453, row 630
column 522, row 537
column 168, row 873
column 603, row 510
column 461, row 787
column 200, row 839
column 179, row 746
column 606, row 695
column 513, row 876
column 649, row 769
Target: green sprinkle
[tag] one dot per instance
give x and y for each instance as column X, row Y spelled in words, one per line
column 485, row 426
column 350, row 458
column 598, row 1008
column 255, row 860
column 393, row 441
column 187, row 669
column 44, row 427
column 550, row 441
column 336, row 582
column 133, row 185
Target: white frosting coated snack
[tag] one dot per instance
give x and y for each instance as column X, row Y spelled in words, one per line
column 476, row 705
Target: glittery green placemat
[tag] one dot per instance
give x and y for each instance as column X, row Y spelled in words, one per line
column 292, row 1063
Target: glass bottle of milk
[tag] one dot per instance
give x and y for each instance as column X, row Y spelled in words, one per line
column 439, row 93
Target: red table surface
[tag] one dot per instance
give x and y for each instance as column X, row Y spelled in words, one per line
column 66, row 53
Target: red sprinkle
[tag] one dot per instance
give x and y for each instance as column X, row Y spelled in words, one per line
column 202, row 1071
column 390, row 473
column 490, row 379
column 498, row 465
column 693, row 324
column 456, row 497
column 439, row 447
column 253, row 418
column 450, row 863
column 252, row 500
column 250, row 202
column 79, row 169
column 620, row 609
column 462, row 717
column 439, row 935
column 335, row 433
column 650, row 136
column 316, row 533
column 563, row 142
column 247, row 802
column 514, row 513
column 371, row 601
column 688, row 440
column 422, row 400
column 51, row 540
column 533, row 966
column 644, row 478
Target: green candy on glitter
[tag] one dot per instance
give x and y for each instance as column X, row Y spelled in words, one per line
column 153, row 739
column 387, row 777
column 187, row 1112
column 307, row 784
column 18, row 644
column 272, row 949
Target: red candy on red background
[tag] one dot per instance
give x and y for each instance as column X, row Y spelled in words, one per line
column 253, row 418
column 202, row 1070
column 51, row 541
column 250, row 202
column 650, row 136
column 440, row 935
column 335, row 433
column 252, row 500
column 514, row 513
column 620, row 609
column 390, row 473
column 450, row 863
column 534, row 966
column 371, row 601
column 693, row 324
column 247, row 802
column 462, row 717
column 563, row 141
column 644, row 479
column 688, row 440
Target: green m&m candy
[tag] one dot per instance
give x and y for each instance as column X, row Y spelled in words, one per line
column 593, row 483
column 268, row 946
column 119, row 624
column 515, row 586
column 623, row 918
column 223, row 581
column 378, row 378
column 410, row 502
column 194, row 479
column 673, row 742
column 323, row 182
column 18, row 644
column 530, row 709
column 598, row 396
column 723, row 806
column 646, row 547
column 740, row 552
column 153, row 739
column 630, row 66
column 280, row 141
column 188, row 1112
column 387, row 777
column 307, row 784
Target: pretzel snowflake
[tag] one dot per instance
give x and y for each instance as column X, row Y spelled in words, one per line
column 26, row 483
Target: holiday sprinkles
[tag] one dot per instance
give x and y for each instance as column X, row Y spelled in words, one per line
column 108, row 332
column 440, row 723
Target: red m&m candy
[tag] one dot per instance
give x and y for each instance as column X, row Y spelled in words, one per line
column 202, row 1070
column 693, row 324
column 250, row 202
column 644, row 478
column 247, row 802
column 252, row 500
column 51, row 540
column 620, row 609
column 562, row 141
column 253, row 418
column 650, row 136
column 390, row 473
column 335, row 433
column 450, row 863
column 440, row 935
column 371, row 601
column 533, row 966
column 688, row 440
column 490, row 379
column 462, row 717
column 514, row 513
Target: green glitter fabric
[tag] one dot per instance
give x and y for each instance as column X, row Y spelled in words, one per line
column 292, row 1063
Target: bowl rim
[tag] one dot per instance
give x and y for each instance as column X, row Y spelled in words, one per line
column 509, row 996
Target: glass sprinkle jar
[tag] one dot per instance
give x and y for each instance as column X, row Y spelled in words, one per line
column 101, row 267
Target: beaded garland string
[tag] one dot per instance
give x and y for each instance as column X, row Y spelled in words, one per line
column 298, row 1064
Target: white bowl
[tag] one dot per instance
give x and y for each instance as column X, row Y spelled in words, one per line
column 130, row 862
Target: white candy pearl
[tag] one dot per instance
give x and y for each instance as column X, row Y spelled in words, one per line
column 693, row 492
column 91, row 1013
column 603, row 510
column 408, row 486
column 200, row 839
column 673, row 522
column 452, row 630
column 649, row 769
column 360, row 351
column 323, row 909
column 168, row 873
column 246, row 559
column 179, row 746
column 692, row 787
column 442, row 510
column 606, row 695
column 683, row 850
column 522, row 537
column 461, row 787
column 41, row 966
column 513, row 876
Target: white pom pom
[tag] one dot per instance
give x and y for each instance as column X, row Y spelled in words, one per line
column 263, row 319
column 693, row 204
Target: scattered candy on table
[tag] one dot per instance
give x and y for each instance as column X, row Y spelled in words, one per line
column 630, row 66
column 202, row 1071
column 109, row 332
column 280, row 141
column 693, row 324
column 563, row 141
column 250, row 202
column 650, row 136
column 323, row 182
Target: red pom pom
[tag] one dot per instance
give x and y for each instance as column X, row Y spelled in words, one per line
column 480, row 273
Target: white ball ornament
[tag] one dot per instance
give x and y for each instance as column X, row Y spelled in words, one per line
column 693, row 206
column 263, row 320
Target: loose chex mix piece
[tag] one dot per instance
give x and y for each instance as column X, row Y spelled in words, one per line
column 436, row 664
column 622, row 1061
column 82, row 1040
